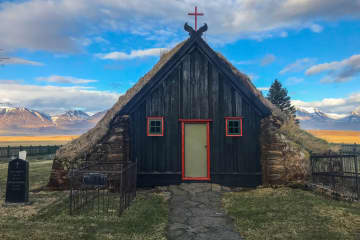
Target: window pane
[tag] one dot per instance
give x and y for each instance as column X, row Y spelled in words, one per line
column 234, row 127
column 155, row 126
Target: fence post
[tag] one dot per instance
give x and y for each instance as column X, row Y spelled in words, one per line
column 71, row 189
column 312, row 166
column 8, row 151
column 357, row 176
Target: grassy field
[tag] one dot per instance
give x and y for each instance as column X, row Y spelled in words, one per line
column 34, row 140
column 337, row 136
column 47, row 217
column 286, row 213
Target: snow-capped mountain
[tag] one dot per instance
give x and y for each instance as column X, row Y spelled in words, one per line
column 311, row 113
column 70, row 116
column 20, row 117
column 24, row 121
column 97, row 116
column 312, row 118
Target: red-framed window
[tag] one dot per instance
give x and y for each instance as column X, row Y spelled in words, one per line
column 155, row 126
column 233, row 126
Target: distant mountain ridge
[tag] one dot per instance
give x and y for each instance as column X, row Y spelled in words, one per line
column 16, row 121
column 312, row 118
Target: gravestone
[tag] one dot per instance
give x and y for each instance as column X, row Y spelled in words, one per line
column 17, row 187
column 95, row 179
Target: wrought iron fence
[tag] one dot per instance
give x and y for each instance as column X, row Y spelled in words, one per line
column 102, row 188
column 337, row 171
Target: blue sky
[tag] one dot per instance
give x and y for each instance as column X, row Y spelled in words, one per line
column 81, row 54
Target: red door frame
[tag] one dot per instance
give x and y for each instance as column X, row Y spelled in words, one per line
column 201, row 121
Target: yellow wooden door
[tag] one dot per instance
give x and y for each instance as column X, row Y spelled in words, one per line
column 195, row 150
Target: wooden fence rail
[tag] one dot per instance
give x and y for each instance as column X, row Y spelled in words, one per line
column 9, row 151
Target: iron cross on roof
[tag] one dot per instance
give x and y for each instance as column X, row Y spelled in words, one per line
column 196, row 13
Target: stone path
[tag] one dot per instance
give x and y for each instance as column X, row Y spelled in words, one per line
column 196, row 213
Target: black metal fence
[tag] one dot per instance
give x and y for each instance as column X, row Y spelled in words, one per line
column 10, row 151
column 102, row 188
column 337, row 171
column 350, row 148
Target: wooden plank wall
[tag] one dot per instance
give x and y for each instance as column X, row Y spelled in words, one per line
column 196, row 90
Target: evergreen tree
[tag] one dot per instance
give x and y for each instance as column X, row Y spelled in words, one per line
column 278, row 96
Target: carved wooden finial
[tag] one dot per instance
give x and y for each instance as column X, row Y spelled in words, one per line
column 189, row 29
column 192, row 32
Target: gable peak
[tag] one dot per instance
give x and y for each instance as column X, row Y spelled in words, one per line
column 197, row 33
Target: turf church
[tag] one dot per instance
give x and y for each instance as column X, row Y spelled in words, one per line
column 193, row 117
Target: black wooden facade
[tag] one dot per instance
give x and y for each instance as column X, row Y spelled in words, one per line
column 196, row 84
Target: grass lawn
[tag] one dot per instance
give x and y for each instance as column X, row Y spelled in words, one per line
column 47, row 217
column 286, row 213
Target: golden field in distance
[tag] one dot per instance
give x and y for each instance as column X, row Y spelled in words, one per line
column 34, row 140
column 337, row 136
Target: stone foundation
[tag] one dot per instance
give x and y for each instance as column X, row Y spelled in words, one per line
column 115, row 147
column 283, row 161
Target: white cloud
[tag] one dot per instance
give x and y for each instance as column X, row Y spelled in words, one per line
column 57, row 25
column 332, row 105
column 283, row 34
column 64, row 79
column 294, row 80
column 336, row 115
column 337, row 71
column 54, row 99
column 298, row 66
column 267, row 59
column 316, row 28
column 133, row 54
column 244, row 62
column 15, row 60
column 100, row 39
column 253, row 77
column 263, row 88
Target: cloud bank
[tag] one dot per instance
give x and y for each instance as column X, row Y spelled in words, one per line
column 337, row 71
column 133, row 54
column 54, row 99
column 298, row 66
column 64, row 79
column 15, row 60
column 68, row 25
column 333, row 105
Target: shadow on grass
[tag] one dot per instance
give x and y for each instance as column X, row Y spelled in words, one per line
column 54, row 209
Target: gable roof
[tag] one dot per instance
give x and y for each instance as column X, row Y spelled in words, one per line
column 82, row 145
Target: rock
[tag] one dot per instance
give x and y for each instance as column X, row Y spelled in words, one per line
column 215, row 187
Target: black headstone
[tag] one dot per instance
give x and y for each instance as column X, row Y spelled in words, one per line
column 95, row 179
column 17, row 187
